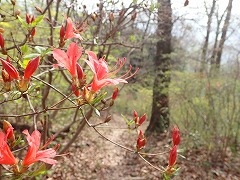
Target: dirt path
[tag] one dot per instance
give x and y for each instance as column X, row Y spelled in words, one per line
column 92, row 157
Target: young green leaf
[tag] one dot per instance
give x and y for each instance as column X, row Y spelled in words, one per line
column 22, row 22
column 98, row 99
column 37, row 20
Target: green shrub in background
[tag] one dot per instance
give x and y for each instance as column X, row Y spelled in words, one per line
column 207, row 109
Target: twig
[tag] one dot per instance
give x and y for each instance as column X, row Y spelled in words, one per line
column 35, row 114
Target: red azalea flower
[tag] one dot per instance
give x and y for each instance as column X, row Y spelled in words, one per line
column 102, row 74
column 70, row 31
column 69, row 59
column 141, row 141
column 6, row 156
column 35, row 153
column 175, row 136
column 173, row 156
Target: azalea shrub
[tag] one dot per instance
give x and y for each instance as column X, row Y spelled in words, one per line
column 28, row 70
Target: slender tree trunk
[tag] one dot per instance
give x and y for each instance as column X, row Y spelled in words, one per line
column 160, row 106
column 214, row 49
column 224, row 34
column 206, row 42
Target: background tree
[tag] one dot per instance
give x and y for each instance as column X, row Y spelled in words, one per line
column 160, row 106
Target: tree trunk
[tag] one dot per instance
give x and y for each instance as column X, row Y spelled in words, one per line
column 224, row 33
column 206, row 42
column 160, row 107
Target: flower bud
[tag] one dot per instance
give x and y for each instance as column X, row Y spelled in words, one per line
column 115, row 93
column 5, row 76
column 33, row 32
column 11, row 70
column 13, row 2
column 2, row 30
column 28, row 20
column 94, row 16
column 1, row 41
column 173, row 156
column 33, row 18
column 39, row 9
column 141, row 141
column 8, row 129
column 62, row 32
column 88, row 95
column 17, row 13
column 142, row 119
column 175, row 136
column 75, row 90
column 31, row 67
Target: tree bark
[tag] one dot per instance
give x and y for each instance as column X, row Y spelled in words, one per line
column 160, row 107
column 206, row 42
column 224, row 34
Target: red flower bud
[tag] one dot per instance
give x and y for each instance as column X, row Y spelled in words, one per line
column 141, row 141
column 28, row 19
column 62, row 32
column 33, row 18
column 33, row 32
column 80, row 72
column 173, row 156
column 142, row 119
column 11, row 70
column 115, row 93
column 31, row 67
column 135, row 114
column 175, row 136
column 1, row 41
column 75, row 90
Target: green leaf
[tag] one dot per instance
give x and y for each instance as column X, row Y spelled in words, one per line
column 18, row 141
column 41, row 170
column 98, row 99
column 22, row 22
column 30, row 56
column 39, row 49
column 24, row 49
column 135, row 1
column 152, row 7
column 127, row 121
column 37, row 20
column 165, row 176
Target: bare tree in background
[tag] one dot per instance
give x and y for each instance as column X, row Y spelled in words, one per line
column 219, row 49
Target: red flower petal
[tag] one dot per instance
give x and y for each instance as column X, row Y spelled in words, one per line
column 11, row 70
column 175, row 136
column 31, row 67
column 142, row 119
column 173, row 156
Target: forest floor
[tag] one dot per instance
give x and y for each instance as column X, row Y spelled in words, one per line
column 92, row 157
